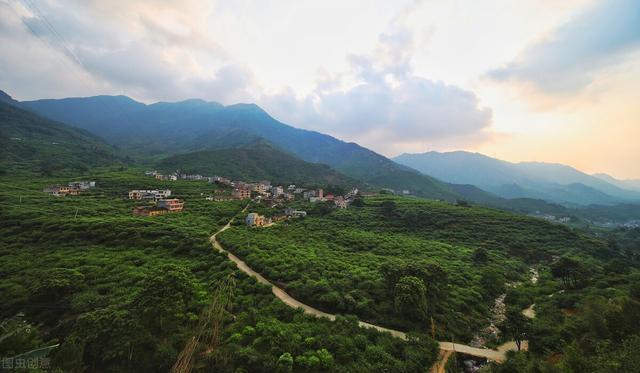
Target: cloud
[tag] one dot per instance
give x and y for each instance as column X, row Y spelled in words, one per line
column 387, row 107
column 568, row 59
column 164, row 51
column 148, row 50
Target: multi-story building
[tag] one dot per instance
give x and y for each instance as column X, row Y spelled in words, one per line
column 277, row 191
column 73, row 191
column 222, row 180
column 83, row 185
column 295, row 213
column 166, row 177
column 256, row 220
column 172, row 205
column 154, row 195
column 239, row 193
column 149, row 211
column 57, row 190
column 261, row 188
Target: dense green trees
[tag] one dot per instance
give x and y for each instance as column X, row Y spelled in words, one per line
column 165, row 297
column 586, row 314
column 350, row 261
column 569, row 270
column 258, row 161
column 124, row 294
column 56, row 284
column 388, row 208
column 411, row 298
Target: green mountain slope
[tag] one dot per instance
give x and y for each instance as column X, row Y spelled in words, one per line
column 354, row 260
column 196, row 125
column 31, row 143
column 257, row 161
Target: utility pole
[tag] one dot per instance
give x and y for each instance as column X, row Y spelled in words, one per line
column 433, row 329
column 75, row 217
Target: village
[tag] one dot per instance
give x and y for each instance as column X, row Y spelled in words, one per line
column 161, row 201
column 262, row 192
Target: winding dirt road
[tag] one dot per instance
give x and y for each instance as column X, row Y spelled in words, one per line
column 494, row 355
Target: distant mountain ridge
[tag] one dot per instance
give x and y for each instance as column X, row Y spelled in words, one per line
column 630, row 184
column 201, row 136
column 192, row 125
column 549, row 181
column 254, row 162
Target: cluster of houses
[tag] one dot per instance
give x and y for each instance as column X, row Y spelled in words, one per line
column 632, row 224
column 178, row 176
column 163, row 204
column 159, row 176
column 629, row 224
column 262, row 190
column 272, row 195
column 74, row 188
column 552, row 218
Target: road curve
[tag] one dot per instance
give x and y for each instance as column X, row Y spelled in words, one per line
column 494, row 355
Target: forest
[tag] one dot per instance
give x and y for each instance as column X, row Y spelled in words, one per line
column 95, row 289
column 428, row 266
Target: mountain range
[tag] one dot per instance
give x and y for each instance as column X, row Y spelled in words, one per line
column 548, row 181
column 200, row 136
column 193, row 125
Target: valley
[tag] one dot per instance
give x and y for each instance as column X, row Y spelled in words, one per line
column 319, row 186
column 326, row 257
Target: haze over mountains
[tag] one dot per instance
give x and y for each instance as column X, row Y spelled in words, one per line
column 195, row 132
column 549, row 181
column 631, row 184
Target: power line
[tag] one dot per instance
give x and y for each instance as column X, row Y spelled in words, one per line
column 62, row 43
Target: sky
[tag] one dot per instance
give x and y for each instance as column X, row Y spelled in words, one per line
column 527, row 80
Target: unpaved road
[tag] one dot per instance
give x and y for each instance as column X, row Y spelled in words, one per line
column 494, row 355
column 530, row 312
column 441, row 363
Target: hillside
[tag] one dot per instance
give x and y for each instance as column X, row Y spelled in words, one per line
column 257, row 161
column 521, row 205
column 552, row 182
column 106, row 285
column 193, row 125
column 350, row 261
column 31, row 143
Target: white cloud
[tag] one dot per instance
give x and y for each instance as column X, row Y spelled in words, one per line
column 167, row 51
column 148, row 50
column 387, row 107
column 569, row 58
